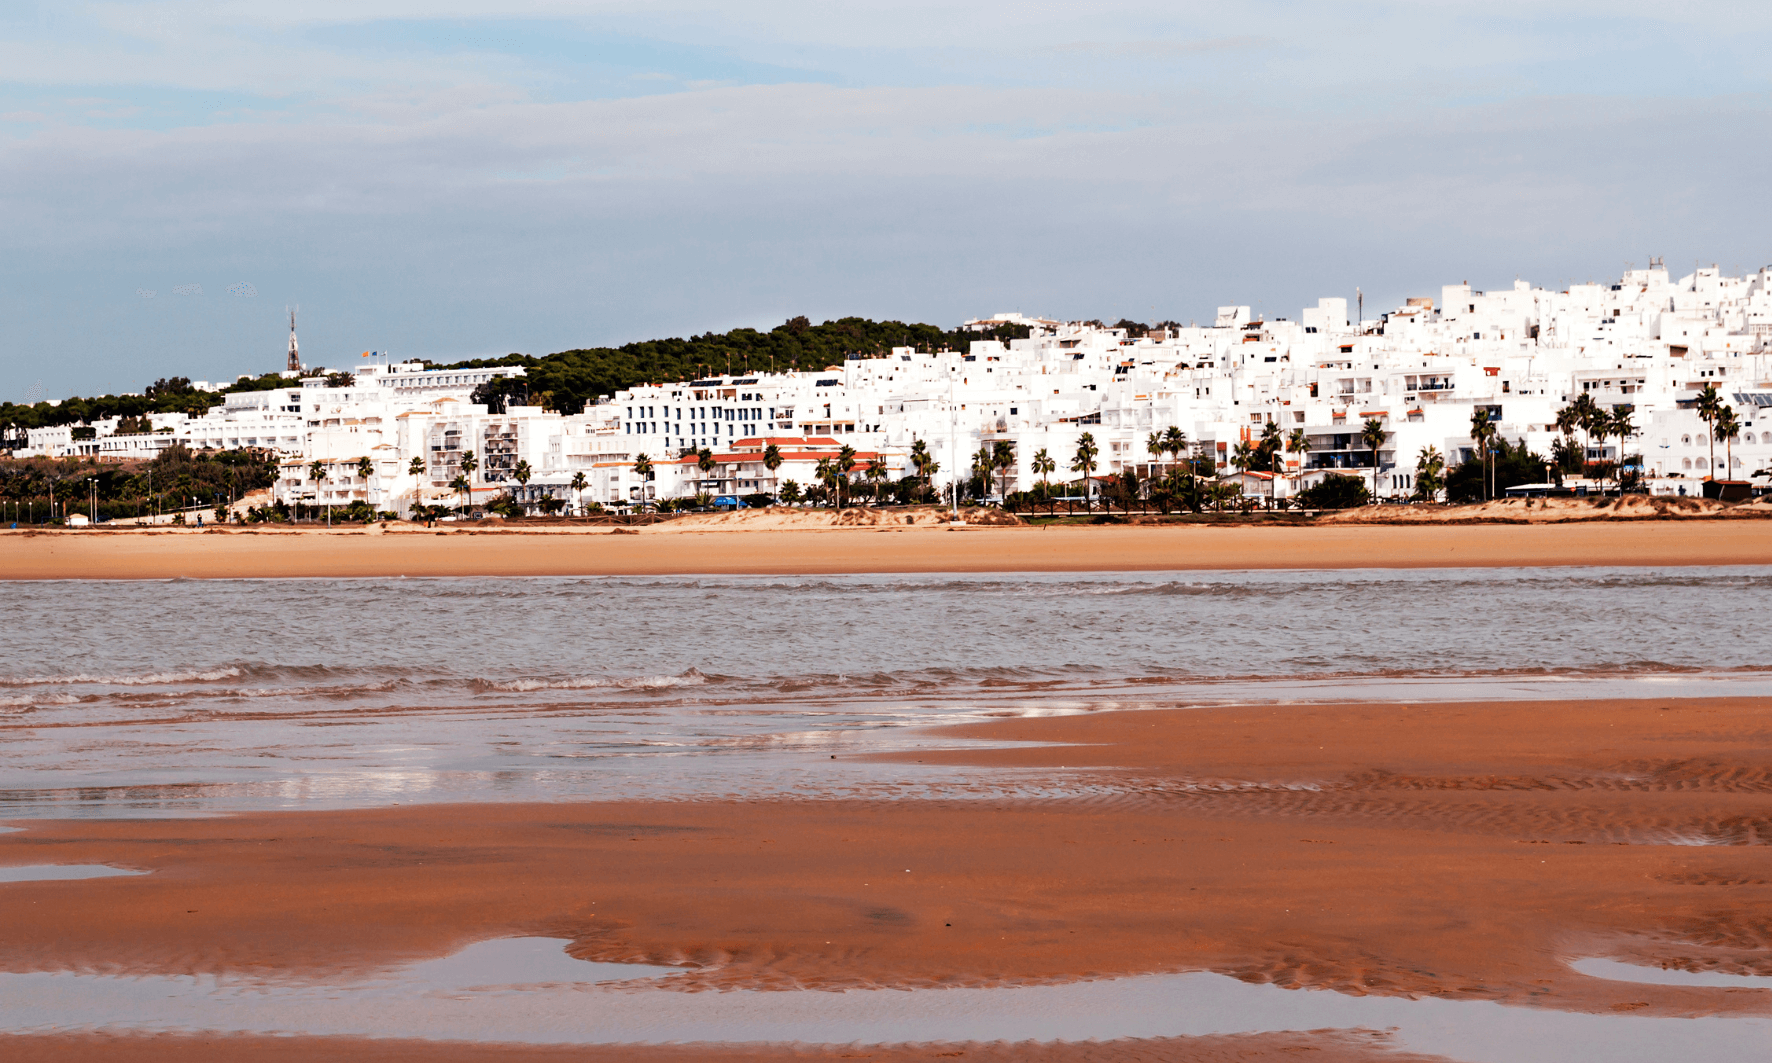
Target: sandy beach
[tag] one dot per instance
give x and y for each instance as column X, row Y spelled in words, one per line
column 1453, row 850
column 664, row 550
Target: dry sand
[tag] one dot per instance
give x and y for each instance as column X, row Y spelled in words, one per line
column 1556, row 511
column 1456, row 850
column 673, row 549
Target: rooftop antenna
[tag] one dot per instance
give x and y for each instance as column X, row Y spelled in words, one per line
column 294, row 349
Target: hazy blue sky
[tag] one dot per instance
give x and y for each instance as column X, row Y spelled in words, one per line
column 454, row 177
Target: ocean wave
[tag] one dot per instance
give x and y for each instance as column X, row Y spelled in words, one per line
column 20, row 703
column 690, row 678
column 149, row 679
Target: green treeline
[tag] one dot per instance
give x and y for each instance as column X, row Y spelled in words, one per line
column 32, row 490
column 167, row 395
column 567, row 380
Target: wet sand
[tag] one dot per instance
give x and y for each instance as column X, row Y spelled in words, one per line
column 1256, row 1048
column 166, row 554
column 1456, row 850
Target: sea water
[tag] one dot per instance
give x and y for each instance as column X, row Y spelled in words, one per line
column 128, row 697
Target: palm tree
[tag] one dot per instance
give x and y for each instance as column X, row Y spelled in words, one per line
column 461, row 484
column 1481, row 431
column 1709, row 405
column 1044, row 465
column 1569, row 419
column 981, row 468
column 875, row 475
column 1372, row 434
column 1270, row 438
column 772, row 462
column 1243, row 455
column 1586, row 409
column 1298, row 443
column 1428, row 467
column 925, row 464
column 704, row 460
column 317, row 472
column 643, row 469
column 845, row 463
column 522, row 473
column 1084, row 462
column 826, row 473
column 1726, row 426
column 416, row 466
column 1599, row 429
column 1003, row 458
column 469, row 463
column 920, row 459
column 1174, row 441
column 578, row 489
column 1624, row 429
column 1154, row 443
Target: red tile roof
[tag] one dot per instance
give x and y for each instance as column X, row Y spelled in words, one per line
column 862, row 457
column 782, row 441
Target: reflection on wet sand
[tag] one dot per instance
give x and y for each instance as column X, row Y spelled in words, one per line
column 528, row 991
column 60, row 872
column 1407, row 865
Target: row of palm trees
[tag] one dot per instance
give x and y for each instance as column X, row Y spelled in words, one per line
column 1598, row 424
column 1724, row 427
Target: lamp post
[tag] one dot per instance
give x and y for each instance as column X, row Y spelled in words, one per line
column 953, row 444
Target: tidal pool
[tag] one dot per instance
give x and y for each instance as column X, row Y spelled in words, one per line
column 528, row 990
column 54, row 872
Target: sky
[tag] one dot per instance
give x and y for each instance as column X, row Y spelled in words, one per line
column 458, row 178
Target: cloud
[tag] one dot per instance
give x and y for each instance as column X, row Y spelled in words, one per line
column 680, row 166
column 1163, row 49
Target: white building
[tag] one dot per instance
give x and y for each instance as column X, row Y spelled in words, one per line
column 1649, row 342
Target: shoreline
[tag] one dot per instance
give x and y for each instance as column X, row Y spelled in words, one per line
column 373, row 552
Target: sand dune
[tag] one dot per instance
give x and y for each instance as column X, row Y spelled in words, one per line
column 1555, row 511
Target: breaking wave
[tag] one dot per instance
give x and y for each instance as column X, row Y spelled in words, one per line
column 150, row 679
column 690, row 678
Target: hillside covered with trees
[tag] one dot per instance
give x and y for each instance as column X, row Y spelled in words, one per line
column 567, row 380
column 563, row 381
column 166, row 395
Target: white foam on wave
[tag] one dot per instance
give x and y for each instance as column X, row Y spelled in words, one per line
column 691, row 678
column 150, row 679
column 30, row 701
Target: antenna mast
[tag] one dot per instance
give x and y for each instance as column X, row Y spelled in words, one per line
column 294, row 350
